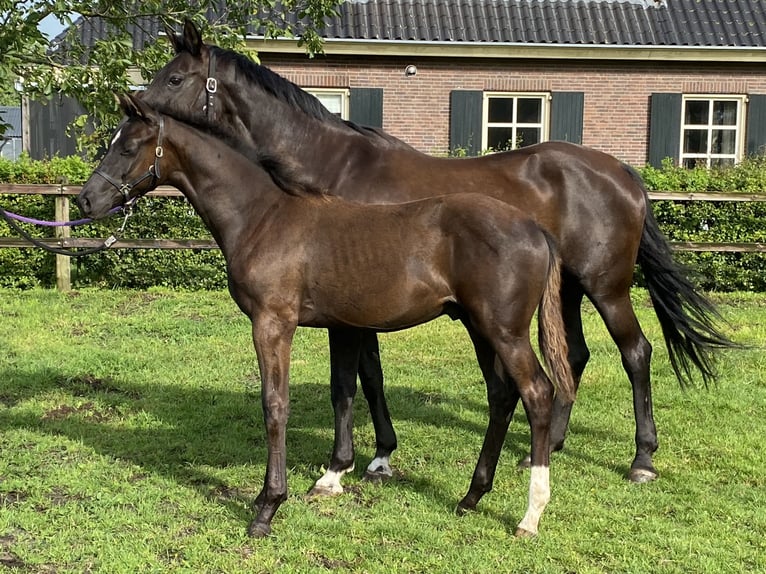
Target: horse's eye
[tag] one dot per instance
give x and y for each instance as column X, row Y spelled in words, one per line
column 175, row 80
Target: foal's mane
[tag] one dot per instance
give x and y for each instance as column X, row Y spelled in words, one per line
column 280, row 171
column 289, row 93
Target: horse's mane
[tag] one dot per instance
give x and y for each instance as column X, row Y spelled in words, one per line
column 291, row 94
column 282, row 173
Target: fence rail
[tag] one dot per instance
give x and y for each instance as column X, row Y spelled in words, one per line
column 62, row 194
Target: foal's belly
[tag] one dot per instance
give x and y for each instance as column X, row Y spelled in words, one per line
column 397, row 303
column 389, row 273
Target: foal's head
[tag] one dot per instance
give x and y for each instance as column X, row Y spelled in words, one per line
column 132, row 166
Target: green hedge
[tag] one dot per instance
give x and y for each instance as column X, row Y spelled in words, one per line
column 204, row 269
column 721, row 222
column 115, row 268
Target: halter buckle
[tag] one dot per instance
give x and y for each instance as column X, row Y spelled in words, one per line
column 158, row 151
column 211, row 85
column 125, row 190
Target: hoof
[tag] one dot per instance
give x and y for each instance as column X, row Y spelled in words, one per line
column 525, row 463
column 642, row 475
column 523, row 533
column 258, row 530
column 318, row 491
column 377, row 476
column 462, row 509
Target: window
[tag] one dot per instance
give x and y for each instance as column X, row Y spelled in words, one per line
column 711, row 130
column 512, row 121
column 334, row 99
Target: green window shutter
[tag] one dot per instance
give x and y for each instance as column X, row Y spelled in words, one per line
column 465, row 121
column 756, row 124
column 664, row 128
column 365, row 106
column 566, row 116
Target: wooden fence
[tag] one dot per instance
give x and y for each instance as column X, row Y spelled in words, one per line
column 62, row 194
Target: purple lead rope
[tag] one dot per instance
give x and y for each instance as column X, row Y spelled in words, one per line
column 56, row 223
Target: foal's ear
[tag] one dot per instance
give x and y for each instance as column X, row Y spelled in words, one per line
column 192, row 39
column 134, row 107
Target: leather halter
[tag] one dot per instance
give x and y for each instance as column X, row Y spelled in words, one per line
column 125, row 188
column 211, row 87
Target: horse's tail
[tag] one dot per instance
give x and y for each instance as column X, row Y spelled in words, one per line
column 688, row 319
column 551, row 331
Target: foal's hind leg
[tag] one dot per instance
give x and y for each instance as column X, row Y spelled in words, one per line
column 536, row 392
column 345, row 345
column 620, row 318
column 502, row 397
column 371, row 377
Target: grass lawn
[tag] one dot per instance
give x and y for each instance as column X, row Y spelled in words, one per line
column 131, row 440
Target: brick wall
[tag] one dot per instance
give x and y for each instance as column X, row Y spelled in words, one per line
column 616, row 115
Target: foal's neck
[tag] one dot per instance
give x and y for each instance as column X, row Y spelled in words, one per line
column 228, row 191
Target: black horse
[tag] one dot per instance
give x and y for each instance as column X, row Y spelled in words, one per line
column 305, row 258
column 595, row 207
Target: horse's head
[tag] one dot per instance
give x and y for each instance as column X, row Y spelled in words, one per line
column 185, row 86
column 131, row 166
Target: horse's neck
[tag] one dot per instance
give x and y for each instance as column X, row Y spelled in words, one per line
column 225, row 189
column 320, row 150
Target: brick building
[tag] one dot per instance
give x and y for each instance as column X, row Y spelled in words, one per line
column 640, row 79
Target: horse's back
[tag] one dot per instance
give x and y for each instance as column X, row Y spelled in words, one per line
column 585, row 199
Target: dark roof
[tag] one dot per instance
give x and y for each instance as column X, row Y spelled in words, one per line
column 704, row 23
column 669, row 23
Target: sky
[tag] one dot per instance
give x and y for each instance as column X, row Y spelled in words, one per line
column 51, row 27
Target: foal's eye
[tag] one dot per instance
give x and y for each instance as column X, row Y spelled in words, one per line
column 175, row 80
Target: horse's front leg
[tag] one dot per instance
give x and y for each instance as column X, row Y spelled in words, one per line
column 371, row 377
column 345, row 345
column 272, row 339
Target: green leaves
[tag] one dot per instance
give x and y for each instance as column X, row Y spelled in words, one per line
column 93, row 72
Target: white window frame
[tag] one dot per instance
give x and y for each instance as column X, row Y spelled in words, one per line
column 543, row 125
column 343, row 93
column 708, row 157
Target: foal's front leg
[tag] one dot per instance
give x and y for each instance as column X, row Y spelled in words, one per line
column 272, row 339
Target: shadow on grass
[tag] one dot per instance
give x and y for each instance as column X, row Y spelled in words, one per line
column 185, row 429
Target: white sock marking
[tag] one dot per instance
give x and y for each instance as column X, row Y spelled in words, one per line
column 381, row 465
column 539, row 495
column 331, row 481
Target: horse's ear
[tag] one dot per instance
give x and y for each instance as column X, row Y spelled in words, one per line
column 192, row 39
column 175, row 40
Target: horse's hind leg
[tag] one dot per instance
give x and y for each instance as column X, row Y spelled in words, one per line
column 371, row 377
column 502, row 397
column 620, row 318
column 571, row 304
column 345, row 345
column 578, row 356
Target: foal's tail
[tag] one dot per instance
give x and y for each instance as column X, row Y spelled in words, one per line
column 688, row 319
column 551, row 331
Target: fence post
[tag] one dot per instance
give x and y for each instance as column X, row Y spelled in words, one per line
column 63, row 263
